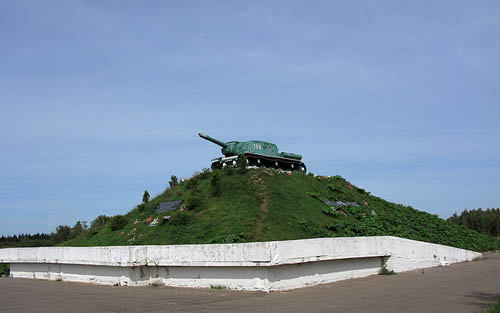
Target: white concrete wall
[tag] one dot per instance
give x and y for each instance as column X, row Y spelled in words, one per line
column 277, row 265
column 408, row 254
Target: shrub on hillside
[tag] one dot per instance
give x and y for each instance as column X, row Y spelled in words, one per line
column 242, row 165
column 192, row 183
column 181, row 219
column 228, row 238
column 216, row 186
column 205, row 173
column 228, row 170
column 193, row 201
column 117, row 222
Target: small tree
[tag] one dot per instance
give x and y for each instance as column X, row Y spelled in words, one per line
column 117, row 222
column 242, row 164
column 216, row 185
column 173, row 181
column 99, row 221
column 145, row 197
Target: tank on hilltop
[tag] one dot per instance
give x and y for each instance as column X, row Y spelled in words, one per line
column 257, row 153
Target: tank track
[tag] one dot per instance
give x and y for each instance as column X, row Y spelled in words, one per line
column 259, row 160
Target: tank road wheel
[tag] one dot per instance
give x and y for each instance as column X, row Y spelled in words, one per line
column 258, row 161
column 234, row 163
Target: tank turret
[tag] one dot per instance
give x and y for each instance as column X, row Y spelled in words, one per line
column 257, row 152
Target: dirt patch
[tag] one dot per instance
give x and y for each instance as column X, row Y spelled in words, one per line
column 265, row 198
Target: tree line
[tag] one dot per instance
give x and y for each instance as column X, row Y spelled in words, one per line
column 61, row 234
column 64, row 233
column 483, row 221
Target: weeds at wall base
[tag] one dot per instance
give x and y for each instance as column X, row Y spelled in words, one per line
column 385, row 271
column 4, row 270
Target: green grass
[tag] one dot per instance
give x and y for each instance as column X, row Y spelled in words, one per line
column 495, row 308
column 264, row 205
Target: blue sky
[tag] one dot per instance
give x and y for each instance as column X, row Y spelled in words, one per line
column 101, row 100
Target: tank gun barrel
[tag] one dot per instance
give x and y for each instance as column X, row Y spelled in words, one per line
column 217, row 142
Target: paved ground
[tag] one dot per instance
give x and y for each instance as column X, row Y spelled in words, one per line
column 464, row 287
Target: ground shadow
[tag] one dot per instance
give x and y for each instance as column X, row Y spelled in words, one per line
column 483, row 299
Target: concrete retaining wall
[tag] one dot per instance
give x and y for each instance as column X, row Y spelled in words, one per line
column 277, row 265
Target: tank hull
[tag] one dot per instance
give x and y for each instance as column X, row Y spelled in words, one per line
column 260, row 160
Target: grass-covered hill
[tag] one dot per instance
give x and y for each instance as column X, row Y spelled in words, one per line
column 234, row 205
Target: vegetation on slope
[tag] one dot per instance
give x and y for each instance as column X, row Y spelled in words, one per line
column 238, row 205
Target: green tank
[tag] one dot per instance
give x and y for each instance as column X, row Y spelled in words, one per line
column 258, row 153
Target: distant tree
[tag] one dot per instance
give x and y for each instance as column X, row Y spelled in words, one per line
column 486, row 222
column 63, row 233
column 79, row 228
column 145, row 197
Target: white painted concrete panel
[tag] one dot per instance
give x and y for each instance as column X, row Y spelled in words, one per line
column 109, row 256
column 238, row 254
column 410, row 254
column 310, row 250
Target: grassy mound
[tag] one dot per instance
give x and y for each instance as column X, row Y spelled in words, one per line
column 231, row 205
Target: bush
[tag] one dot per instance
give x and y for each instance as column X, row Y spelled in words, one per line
column 118, row 222
column 242, row 164
column 193, row 202
column 4, row 270
column 205, row 173
column 216, row 186
column 181, row 219
column 192, row 183
column 228, row 170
